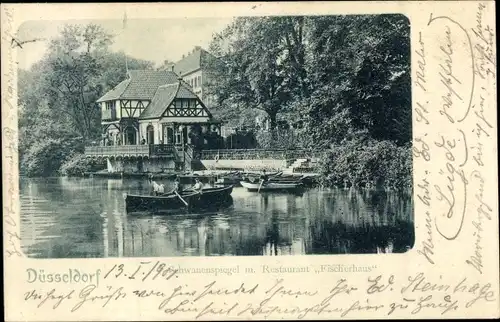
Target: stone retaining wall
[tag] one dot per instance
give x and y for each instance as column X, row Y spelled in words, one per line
column 264, row 164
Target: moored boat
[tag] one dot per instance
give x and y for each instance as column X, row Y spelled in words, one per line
column 228, row 180
column 208, row 198
column 258, row 174
column 236, row 178
column 272, row 186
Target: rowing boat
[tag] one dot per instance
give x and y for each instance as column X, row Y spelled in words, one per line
column 208, row 198
column 272, row 186
column 234, row 178
column 258, row 174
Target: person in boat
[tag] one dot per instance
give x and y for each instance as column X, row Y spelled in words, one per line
column 155, row 188
column 264, row 177
column 177, row 186
column 198, row 186
column 158, row 189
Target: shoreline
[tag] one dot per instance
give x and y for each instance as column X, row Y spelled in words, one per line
column 208, row 174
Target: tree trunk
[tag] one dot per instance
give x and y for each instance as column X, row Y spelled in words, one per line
column 272, row 120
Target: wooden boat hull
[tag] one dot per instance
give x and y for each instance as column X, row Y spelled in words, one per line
column 272, row 186
column 209, row 198
column 235, row 177
column 228, row 181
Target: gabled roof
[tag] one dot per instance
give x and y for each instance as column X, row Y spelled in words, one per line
column 165, row 95
column 197, row 59
column 141, row 84
column 115, row 93
column 162, row 99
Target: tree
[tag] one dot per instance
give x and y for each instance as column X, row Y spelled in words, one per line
column 359, row 67
column 74, row 72
column 113, row 69
column 260, row 64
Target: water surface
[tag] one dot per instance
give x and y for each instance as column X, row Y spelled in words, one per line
column 86, row 217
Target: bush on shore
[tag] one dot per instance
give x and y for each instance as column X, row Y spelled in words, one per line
column 241, row 140
column 78, row 164
column 45, row 157
column 376, row 164
column 277, row 139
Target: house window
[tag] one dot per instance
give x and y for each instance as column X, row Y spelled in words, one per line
column 199, row 80
column 110, row 105
column 169, row 135
column 195, row 83
column 151, row 134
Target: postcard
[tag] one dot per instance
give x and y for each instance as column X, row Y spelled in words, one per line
column 250, row 161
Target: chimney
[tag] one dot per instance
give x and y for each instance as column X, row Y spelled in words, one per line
column 172, row 67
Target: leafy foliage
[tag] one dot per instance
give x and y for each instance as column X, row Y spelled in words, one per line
column 44, row 158
column 363, row 83
column 77, row 164
column 379, row 164
column 277, row 139
column 255, row 68
column 350, row 74
column 341, row 82
column 241, row 140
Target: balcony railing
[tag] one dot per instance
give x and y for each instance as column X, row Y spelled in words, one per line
column 162, row 150
column 170, row 150
column 108, row 115
column 117, row 150
column 151, row 150
column 256, row 154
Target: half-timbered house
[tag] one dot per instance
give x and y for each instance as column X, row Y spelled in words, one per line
column 156, row 110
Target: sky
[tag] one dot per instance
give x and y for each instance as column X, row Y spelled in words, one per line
column 156, row 40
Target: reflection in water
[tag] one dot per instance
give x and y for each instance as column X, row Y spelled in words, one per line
column 66, row 217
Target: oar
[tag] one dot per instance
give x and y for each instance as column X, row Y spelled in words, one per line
column 178, row 195
column 261, row 182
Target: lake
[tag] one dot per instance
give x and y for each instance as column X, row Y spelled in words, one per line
column 86, row 218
